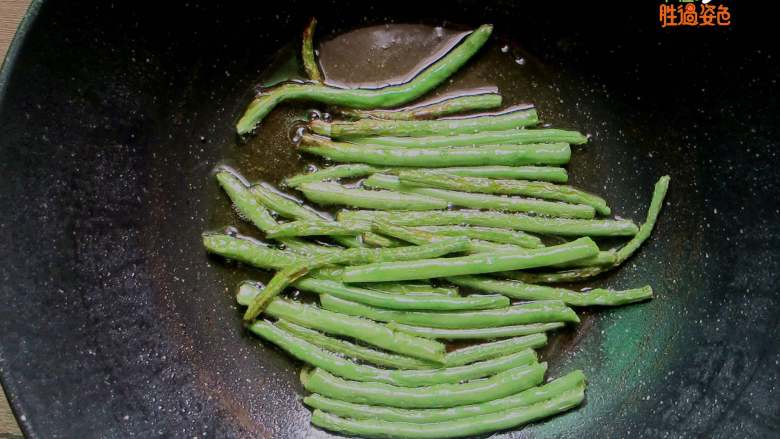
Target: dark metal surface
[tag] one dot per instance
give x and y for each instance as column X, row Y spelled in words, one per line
column 115, row 324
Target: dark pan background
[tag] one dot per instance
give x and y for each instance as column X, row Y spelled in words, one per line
column 115, row 324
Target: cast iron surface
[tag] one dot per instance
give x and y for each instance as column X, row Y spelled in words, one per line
column 115, row 324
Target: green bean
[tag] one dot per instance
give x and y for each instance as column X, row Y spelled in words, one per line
column 485, row 351
column 472, row 264
column 537, row 173
column 605, row 257
column 353, row 327
column 657, row 201
column 535, row 189
column 352, row 350
column 410, row 288
column 308, row 53
column 525, row 398
column 332, row 363
column 483, row 201
column 475, row 334
column 406, row 253
column 248, row 251
column 622, row 254
column 515, row 221
column 432, row 302
column 444, row 107
column 454, row 374
column 332, row 173
column 507, row 137
column 441, row 395
column 536, row 154
column 251, row 252
column 318, row 228
column 541, row 173
column 492, row 234
column 533, row 312
column 523, row 291
column 385, row 97
column 473, row 426
column 284, row 206
column 334, row 193
column 513, row 118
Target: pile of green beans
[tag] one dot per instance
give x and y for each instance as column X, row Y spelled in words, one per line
column 455, row 213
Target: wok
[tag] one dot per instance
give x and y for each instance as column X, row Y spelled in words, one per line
column 116, row 324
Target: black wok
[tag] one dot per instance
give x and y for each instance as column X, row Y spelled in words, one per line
column 116, row 324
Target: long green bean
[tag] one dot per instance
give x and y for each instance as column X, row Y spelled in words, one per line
column 318, row 228
column 345, row 368
column 472, row 264
column 332, row 173
column 334, row 193
column 492, row 234
column 473, row 426
column 441, row 395
column 515, row 221
column 507, row 137
column 546, row 311
column 512, row 119
column 537, row 189
column 284, row 206
column 352, row 350
column 552, row 174
column 353, row 170
column 523, row 291
column 411, row 288
column 622, row 254
column 354, row 327
column 534, row 154
column 554, row 388
column 308, row 53
column 384, row 97
column 483, row 201
column 486, row 351
column 444, row 107
column 256, row 254
column 248, row 251
column 406, row 253
column 431, row 302
column 478, row 333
